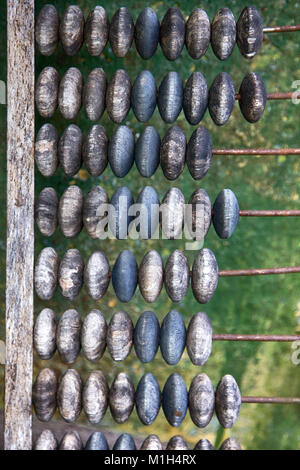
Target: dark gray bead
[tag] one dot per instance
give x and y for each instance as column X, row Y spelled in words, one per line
column 71, row 30
column 47, row 29
column 147, row 399
column 228, row 401
column 146, row 337
column 147, row 152
column 199, row 153
column 121, row 398
column 147, row 33
column 172, row 33
column 45, row 150
column 199, row 339
column 148, row 219
column 172, row 213
column 118, row 96
column 93, row 335
column 68, row 336
column 125, row 276
column 69, row 396
column 121, row 151
column 70, row 212
column 197, row 36
column 230, row 444
column 201, row 400
column 221, row 98
column 172, row 153
column 94, row 150
column 223, row 33
column 177, row 276
column 170, row 96
column 44, row 395
column 44, row 334
column 70, row 91
column 46, row 210
column 203, row 444
column 118, row 217
column 71, row 441
column 177, row 443
column 226, row 213
column 94, row 212
column 124, row 442
column 46, row 441
column 198, row 215
column 143, row 96
column 96, row 275
column 96, row 441
column 121, row 32
column 205, row 276
column 119, row 337
column 195, row 98
column 94, row 93
column 96, row 31
column 151, row 276
column 151, row 442
column 46, row 271
column 46, row 92
column 250, row 32
column 253, row 97
column 70, row 274
column 70, row 150
column 175, row 400
column 172, row 337
column 95, row 396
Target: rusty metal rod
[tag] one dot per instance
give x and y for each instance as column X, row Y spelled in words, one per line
column 259, row 272
column 282, row 29
column 272, row 400
column 285, row 151
column 277, row 96
column 270, row 213
column 269, row 338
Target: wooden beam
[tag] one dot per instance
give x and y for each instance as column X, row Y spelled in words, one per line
column 20, row 224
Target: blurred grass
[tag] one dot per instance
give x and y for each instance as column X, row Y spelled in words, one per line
column 240, row 305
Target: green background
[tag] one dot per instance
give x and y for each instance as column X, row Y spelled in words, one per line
column 240, row 305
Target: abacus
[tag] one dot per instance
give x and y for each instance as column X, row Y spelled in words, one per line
column 97, row 214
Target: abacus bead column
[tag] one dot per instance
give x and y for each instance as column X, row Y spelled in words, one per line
column 95, row 396
column 205, row 275
column 96, row 441
column 175, row 400
column 45, row 150
column 199, row 153
column 44, row 334
column 70, row 212
column 96, row 31
column 172, row 213
column 147, row 221
column 228, row 401
column 121, row 32
column 93, row 335
column 249, row 31
column 170, row 96
column 96, row 275
column 223, row 33
column 204, row 444
column 221, row 98
column 172, row 33
column 172, row 337
column 46, row 92
column 118, row 216
column 177, row 443
column 121, row 398
column 121, row 151
column 70, row 274
column 253, row 97
column 71, row 441
column 124, row 276
column 119, row 337
column 198, row 33
column 147, row 33
column 46, row 441
column 94, row 212
column 147, row 151
column 124, row 442
column 147, row 399
column 46, row 210
column 201, row 400
column 68, row 336
column 70, row 93
column 198, row 214
column 172, row 153
column 195, row 98
column 151, row 442
column 71, row 30
column 143, row 96
column 94, row 93
column 46, row 270
column 199, row 339
column 94, row 150
column 118, row 96
column 47, row 29
column 230, row 444
column 69, row 396
column 44, row 395
column 177, row 276
column 151, row 276
column 70, row 150
column 146, row 337
column 226, row 213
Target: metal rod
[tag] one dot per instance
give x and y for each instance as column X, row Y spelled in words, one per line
column 260, row 272
column 288, row 151
column 270, row 213
column 282, row 29
column 277, row 96
column 272, row 400
column 269, row 338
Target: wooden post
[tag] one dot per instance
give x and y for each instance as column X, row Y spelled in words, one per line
column 20, row 224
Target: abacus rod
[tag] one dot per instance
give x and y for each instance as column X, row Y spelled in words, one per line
column 285, row 151
column 272, row 400
column 270, row 213
column 281, row 29
column 259, row 272
column 276, row 96
column 270, row 338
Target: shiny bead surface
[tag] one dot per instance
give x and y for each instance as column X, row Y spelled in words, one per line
column 46, row 441
column 70, row 91
column 199, row 153
column 172, row 33
column 46, row 270
column 151, row 442
column 46, row 210
column 170, row 96
column 195, row 98
column 44, row 395
column 177, row 276
column 96, row 31
column 172, row 337
column 205, row 275
column 70, row 150
column 121, row 398
column 147, row 33
column 96, row 441
column 68, row 336
column 204, row 444
column 124, row 442
column 120, row 336
column 151, row 276
column 47, row 30
column 148, row 219
column 71, row 30
column 230, row 444
column 249, row 31
column 96, row 275
column 93, row 335
column 119, row 219
column 253, row 97
column 70, row 274
column 146, row 337
column 172, row 153
column 44, row 334
column 45, row 150
column 46, row 92
column 201, row 400
column 198, row 216
column 143, row 96
column 94, row 150
column 70, row 212
column 147, row 150
column 121, row 151
column 223, row 33
column 147, row 399
column 197, row 37
column 118, row 96
column 71, row 441
column 177, row 443
column 94, row 210
column 95, row 396
column 221, row 98
column 228, row 401
column 125, row 276
column 69, row 396
column 94, row 93
column 172, row 209
column 226, row 213
column 121, row 32
column 175, row 400
column 199, row 339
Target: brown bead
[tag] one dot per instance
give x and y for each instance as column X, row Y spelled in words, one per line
column 70, row 274
column 151, row 276
column 70, row 212
column 96, row 275
column 45, row 150
column 46, row 441
column 94, row 92
column 121, row 398
column 70, row 91
column 94, row 150
column 70, row 150
column 44, row 395
column 44, row 334
column 201, row 400
column 198, row 218
column 94, row 212
column 118, row 96
column 228, row 401
column 93, row 335
column 45, row 276
column 46, row 210
column 46, row 92
column 172, row 210
column 120, row 336
column 253, row 97
column 177, row 276
column 95, row 397
column 172, row 33
column 172, row 153
column 96, row 31
column 121, row 32
column 69, row 396
column 47, row 29
column 68, row 336
column 71, row 441
column 177, row 443
column 197, row 33
column 71, row 30
column 205, row 275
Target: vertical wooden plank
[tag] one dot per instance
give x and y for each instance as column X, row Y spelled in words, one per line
column 20, row 224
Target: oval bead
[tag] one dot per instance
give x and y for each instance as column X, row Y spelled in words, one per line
column 253, row 97
column 94, row 93
column 172, row 153
column 151, row 442
column 121, row 32
column 70, row 91
column 221, row 98
column 199, row 153
column 71, row 30
column 44, row 334
column 44, row 395
column 119, row 336
column 203, row 444
column 146, row 337
column 177, row 443
column 147, row 399
column 121, row 398
column 230, row 444
column 172, row 33
column 45, row 150
column 197, row 33
column 172, row 337
column 226, row 212
column 124, row 442
column 223, row 33
column 118, row 217
column 69, row 396
column 70, row 212
column 205, row 275
column 198, row 217
column 199, row 339
column 195, row 98
column 201, row 400
column 125, row 276
column 175, row 400
column 93, row 335
column 143, row 96
column 47, row 30
column 147, row 152
column 46, row 441
column 118, row 96
column 71, row 441
column 172, row 210
column 96, row 275
column 148, row 219
column 68, row 336
column 249, row 31
column 70, row 274
column 70, row 150
column 46, row 210
column 147, row 33
column 96, row 31
column 228, row 401
column 46, row 92
column 94, row 150
column 170, row 96
column 177, row 276
column 121, row 151
column 94, row 210
column 96, row 441
column 95, row 396
column 46, row 270
column 151, row 276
